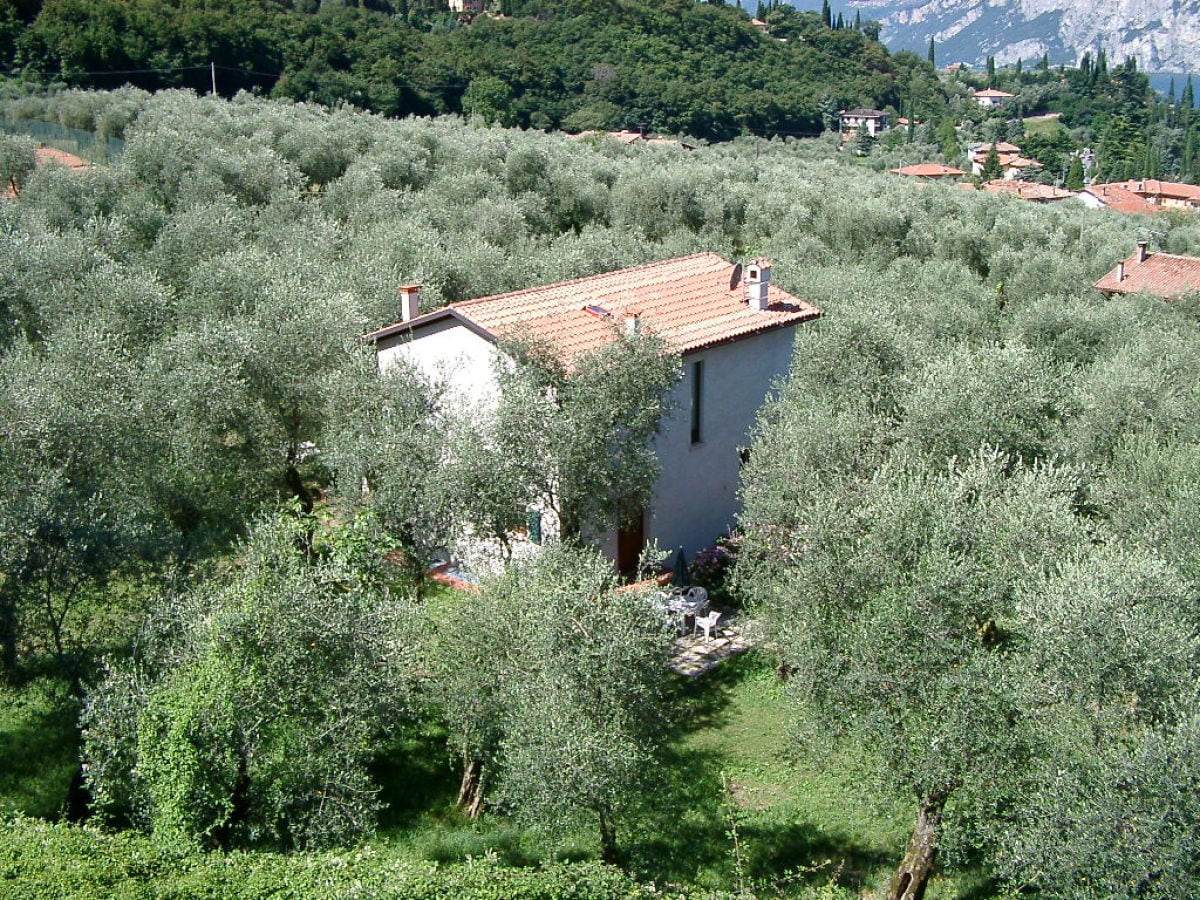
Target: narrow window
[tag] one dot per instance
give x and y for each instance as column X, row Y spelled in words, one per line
column 697, row 398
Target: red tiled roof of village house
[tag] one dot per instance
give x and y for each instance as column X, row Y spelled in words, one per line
column 992, row 92
column 61, row 157
column 1026, row 190
column 1153, row 187
column 1120, row 198
column 687, row 301
column 1162, row 274
column 928, row 170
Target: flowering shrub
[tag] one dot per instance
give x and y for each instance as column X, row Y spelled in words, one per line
column 711, row 565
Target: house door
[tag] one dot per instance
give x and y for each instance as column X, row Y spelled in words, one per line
column 630, row 540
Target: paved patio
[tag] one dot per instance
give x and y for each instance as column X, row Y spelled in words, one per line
column 694, row 654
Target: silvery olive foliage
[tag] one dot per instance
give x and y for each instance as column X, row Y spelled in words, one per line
column 977, row 470
column 250, row 708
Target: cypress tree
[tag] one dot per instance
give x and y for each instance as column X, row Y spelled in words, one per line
column 930, row 54
column 841, row 23
column 1075, row 175
column 826, row 14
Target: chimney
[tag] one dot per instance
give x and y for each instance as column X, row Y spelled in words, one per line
column 1121, row 271
column 410, row 301
column 633, row 321
column 1141, row 245
column 758, row 282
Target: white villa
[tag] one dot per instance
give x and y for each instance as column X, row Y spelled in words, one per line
column 733, row 329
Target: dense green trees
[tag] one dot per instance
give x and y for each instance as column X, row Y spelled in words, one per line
column 552, row 685
column 699, row 69
column 249, row 711
column 976, row 467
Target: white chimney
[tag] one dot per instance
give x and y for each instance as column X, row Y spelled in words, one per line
column 1121, row 271
column 1141, row 245
column 758, row 282
column 633, row 321
column 410, row 301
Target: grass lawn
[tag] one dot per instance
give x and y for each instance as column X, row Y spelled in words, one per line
column 1044, row 126
column 39, row 748
column 741, row 804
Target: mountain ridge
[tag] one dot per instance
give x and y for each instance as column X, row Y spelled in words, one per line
column 1162, row 35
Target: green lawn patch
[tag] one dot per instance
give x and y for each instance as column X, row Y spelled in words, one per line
column 39, row 747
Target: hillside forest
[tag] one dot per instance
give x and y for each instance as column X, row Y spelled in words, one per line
column 676, row 67
column 968, row 537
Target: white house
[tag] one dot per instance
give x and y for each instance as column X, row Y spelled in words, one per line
column 992, row 97
column 876, row 121
column 733, row 328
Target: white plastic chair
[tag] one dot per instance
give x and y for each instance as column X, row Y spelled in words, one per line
column 708, row 623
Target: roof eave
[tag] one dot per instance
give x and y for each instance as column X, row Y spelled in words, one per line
column 772, row 326
column 413, row 325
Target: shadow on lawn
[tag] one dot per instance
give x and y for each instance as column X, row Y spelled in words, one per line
column 39, row 749
column 416, row 776
column 683, row 833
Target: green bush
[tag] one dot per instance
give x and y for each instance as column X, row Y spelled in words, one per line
column 40, row 860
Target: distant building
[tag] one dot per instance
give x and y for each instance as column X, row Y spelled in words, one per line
column 1167, row 194
column 1118, row 197
column 1027, row 190
column 1162, row 274
column 992, row 97
column 928, row 171
column 466, row 6
column 875, row 120
column 1012, row 163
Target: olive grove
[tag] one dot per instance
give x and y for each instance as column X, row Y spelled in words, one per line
column 969, row 514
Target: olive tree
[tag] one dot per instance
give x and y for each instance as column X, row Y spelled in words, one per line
column 250, row 709
column 573, row 436
column 17, row 161
column 552, row 684
column 893, row 601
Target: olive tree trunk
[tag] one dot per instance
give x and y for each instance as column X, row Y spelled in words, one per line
column 470, row 789
column 913, row 875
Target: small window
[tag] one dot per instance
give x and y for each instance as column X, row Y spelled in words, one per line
column 697, row 400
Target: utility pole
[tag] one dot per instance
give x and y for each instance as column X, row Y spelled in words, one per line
column 213, row 69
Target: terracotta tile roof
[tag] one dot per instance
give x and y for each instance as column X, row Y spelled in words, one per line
column 61, row 157
column 1026, row 190
column 1162, row 274
column 1154, row 188
column 687, row 301
column 929, row 170
column 1120, row 198
column 992, row 92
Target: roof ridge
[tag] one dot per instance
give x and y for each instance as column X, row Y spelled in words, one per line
column 475, row 301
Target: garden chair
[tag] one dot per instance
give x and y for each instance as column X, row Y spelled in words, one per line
column 708, row 623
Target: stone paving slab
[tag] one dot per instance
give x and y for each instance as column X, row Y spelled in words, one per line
column 694, row 654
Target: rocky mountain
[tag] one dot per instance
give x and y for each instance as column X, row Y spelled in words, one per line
column 1163, row 35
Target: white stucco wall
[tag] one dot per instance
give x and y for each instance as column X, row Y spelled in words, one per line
column 450, row 353
column 695, row 497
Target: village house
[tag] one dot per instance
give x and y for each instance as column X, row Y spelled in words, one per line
column 1161, row 274
column 991, row 97
column 733, row 328
column 876, row 121
column 1119, row 197
column 1164, row 194
column 929, row 171
column 1026, row 190
column 1012, row 163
